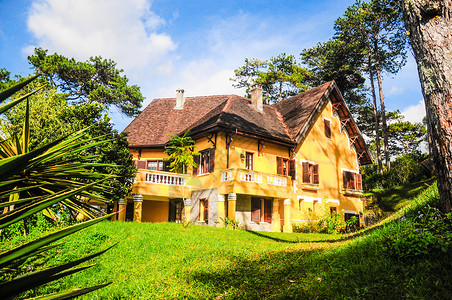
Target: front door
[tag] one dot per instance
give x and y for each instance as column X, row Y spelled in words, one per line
column 175, row 210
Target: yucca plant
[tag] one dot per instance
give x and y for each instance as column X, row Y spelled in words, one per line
column 32, row 181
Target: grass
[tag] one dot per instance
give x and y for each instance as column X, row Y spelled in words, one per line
column 168, row 261
column 393, row 199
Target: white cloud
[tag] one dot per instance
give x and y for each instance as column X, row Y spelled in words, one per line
column 396, row 90
column 415, row 113
column 123, row 30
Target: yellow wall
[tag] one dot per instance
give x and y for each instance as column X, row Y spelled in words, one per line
column 155, row 211
column 332, row 155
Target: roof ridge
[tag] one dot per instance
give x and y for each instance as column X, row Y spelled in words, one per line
column 225, row 107
column 280, row 118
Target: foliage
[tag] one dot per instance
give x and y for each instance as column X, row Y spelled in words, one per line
column 280, row 77
column 230, row 224
column 406, row 136
column 35, row 180
column 206, row 262
column 407, row 168
column 180, row 153
column 96, row 80
column 52, row 117
column 337, row 60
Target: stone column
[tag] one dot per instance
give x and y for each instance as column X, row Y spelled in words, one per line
column 232, row 201
column 187, row 207
column 276, row 226
column 122, row 204
column 221, row 213
column 137, row 207
column 287, row 221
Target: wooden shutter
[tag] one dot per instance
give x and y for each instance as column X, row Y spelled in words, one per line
column 292, row 168
column 351, row 181
column 255, row 210
column 306, row 176
column 196, row 159
column 359, row 182
column 315, row 174
column 141, row 164
column 268, row 209
column 345, row 179
column 279, row 165
column 327, row 128
column 206, row 209
column 211, row 160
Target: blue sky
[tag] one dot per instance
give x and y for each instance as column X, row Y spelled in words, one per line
column 163, row 45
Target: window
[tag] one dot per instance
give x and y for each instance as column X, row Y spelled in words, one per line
column 205, row 162
column 156, row 165
column 300, row 204
column 261, row 210
column 327, row 124
column 285, row 166
column 203, row 210
column 352, row 180
column 310, row 173
column 249, row 160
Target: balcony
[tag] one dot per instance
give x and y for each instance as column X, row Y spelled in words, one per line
column 243, row 181
column 161, row 184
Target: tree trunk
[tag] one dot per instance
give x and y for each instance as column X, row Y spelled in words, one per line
column 377, row 125
column 429, row 24
column 384, row 126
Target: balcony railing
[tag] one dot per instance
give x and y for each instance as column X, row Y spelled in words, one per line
column 226, row 175
column 167, row 179
column 277, row 180
column 250, row 176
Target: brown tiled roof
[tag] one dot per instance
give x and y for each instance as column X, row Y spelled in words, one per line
column 286, row 121
column 153, row 126
column 238, row 114
column 297, row 109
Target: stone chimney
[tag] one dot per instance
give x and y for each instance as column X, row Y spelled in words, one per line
column 179, row 99
column 256, row 97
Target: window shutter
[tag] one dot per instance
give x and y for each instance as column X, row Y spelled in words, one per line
column 351, row 181
column 268, row 209
column 206, row 209
column 306, row 176
column 211, row 160
column 359, row 182
column 255, row 210
column 141, row 164
column 279, row 165
column 327, row 128
column 315, row 174
column 292, row 168
column 345, row 179
column 196, row 159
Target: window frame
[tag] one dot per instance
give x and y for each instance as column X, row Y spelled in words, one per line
column 352, row 180
column 249, row 161
column 310, row 173
column 327, row 127
column 160, row 164
column 261, row 214
column 203, row 210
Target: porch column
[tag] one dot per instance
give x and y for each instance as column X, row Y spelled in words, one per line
column 137, row 207
column 232, row 201
column 221, row 213
column 114, row 210
column 276, row 226
column 287, row 221
column 122, row 204
column 187, row 207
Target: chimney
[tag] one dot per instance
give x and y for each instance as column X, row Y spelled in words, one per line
column 179, row 99
column 256, row 97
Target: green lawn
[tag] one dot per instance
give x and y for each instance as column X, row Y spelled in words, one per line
column 393, row 199
column 168, row 261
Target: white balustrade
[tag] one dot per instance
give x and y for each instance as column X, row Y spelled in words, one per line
column 165, row 179
column 226, row 175
column 250, row 176
column 277, row 180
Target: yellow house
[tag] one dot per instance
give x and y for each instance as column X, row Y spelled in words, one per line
column 264, row 166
